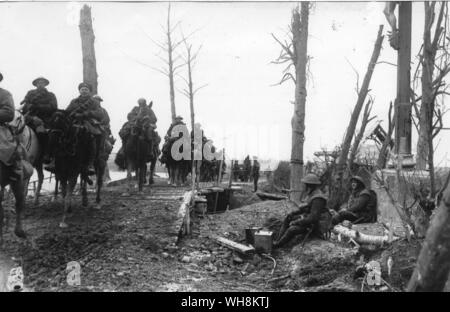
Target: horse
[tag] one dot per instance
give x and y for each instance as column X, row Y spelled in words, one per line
column 34, row 152
column 137, row 148
column 178, row 169
column 26, row 151
column 153, row 160
column 71, row 160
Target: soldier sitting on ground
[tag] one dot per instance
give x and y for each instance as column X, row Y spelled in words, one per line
column 361, row 206
column 313, row 215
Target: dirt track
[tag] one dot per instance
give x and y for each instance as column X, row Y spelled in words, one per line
column 128, row 245
column 125, row 246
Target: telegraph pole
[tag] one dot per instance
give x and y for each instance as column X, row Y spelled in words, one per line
column 403, row 123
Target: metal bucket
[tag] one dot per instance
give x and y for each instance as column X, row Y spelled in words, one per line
column 250, row 235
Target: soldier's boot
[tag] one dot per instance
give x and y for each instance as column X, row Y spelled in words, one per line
column 287, row 236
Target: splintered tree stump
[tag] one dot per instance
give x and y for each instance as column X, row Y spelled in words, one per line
column 87, row 45
column 361, row 237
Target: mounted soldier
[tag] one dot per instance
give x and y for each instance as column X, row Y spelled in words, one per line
column 361, row 206
column 177, row 169
column 313, row 215
column 86, row 112
column 11, row 165
column 106, row 126
column 144, row 115
column 38, row 107
column 178, row 121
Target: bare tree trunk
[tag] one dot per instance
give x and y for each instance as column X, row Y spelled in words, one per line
column 300, row 43
column 336, row 192
column 430, row 47
column 87, row 44
column 191, row 105
column 432, row 268
column 171, row 67
column 366, row 119
column 361, row 99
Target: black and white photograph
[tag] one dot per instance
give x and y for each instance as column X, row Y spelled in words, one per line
column 242, row 149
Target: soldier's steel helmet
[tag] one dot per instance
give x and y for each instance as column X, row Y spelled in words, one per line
column 359, row 179
column 45, row 80
column 142, row 100
column 178, row 117
column 311, row 178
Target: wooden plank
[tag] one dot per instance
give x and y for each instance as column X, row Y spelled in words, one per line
column 243, row 249
column 183, row 212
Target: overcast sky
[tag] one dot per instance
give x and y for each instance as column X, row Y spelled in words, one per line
column 239, row 108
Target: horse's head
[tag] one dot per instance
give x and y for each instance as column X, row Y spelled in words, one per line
column 59, row 120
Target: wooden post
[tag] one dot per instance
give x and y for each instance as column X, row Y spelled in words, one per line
column 220, row 168
column 218, row 179
column 87, row 45
column 230, row 178
column 403, row 122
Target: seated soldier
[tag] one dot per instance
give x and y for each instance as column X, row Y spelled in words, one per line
column 361, row 204
column 39, row 106
column 308, row 216
column 86, row 110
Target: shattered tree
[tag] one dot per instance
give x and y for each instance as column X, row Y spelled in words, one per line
column 87, row 44
column 434, row 68
column 432, row 268
column 190, row 59
column 295, row 53
column 171, row 61
column 360, row 136
column 345, row 147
